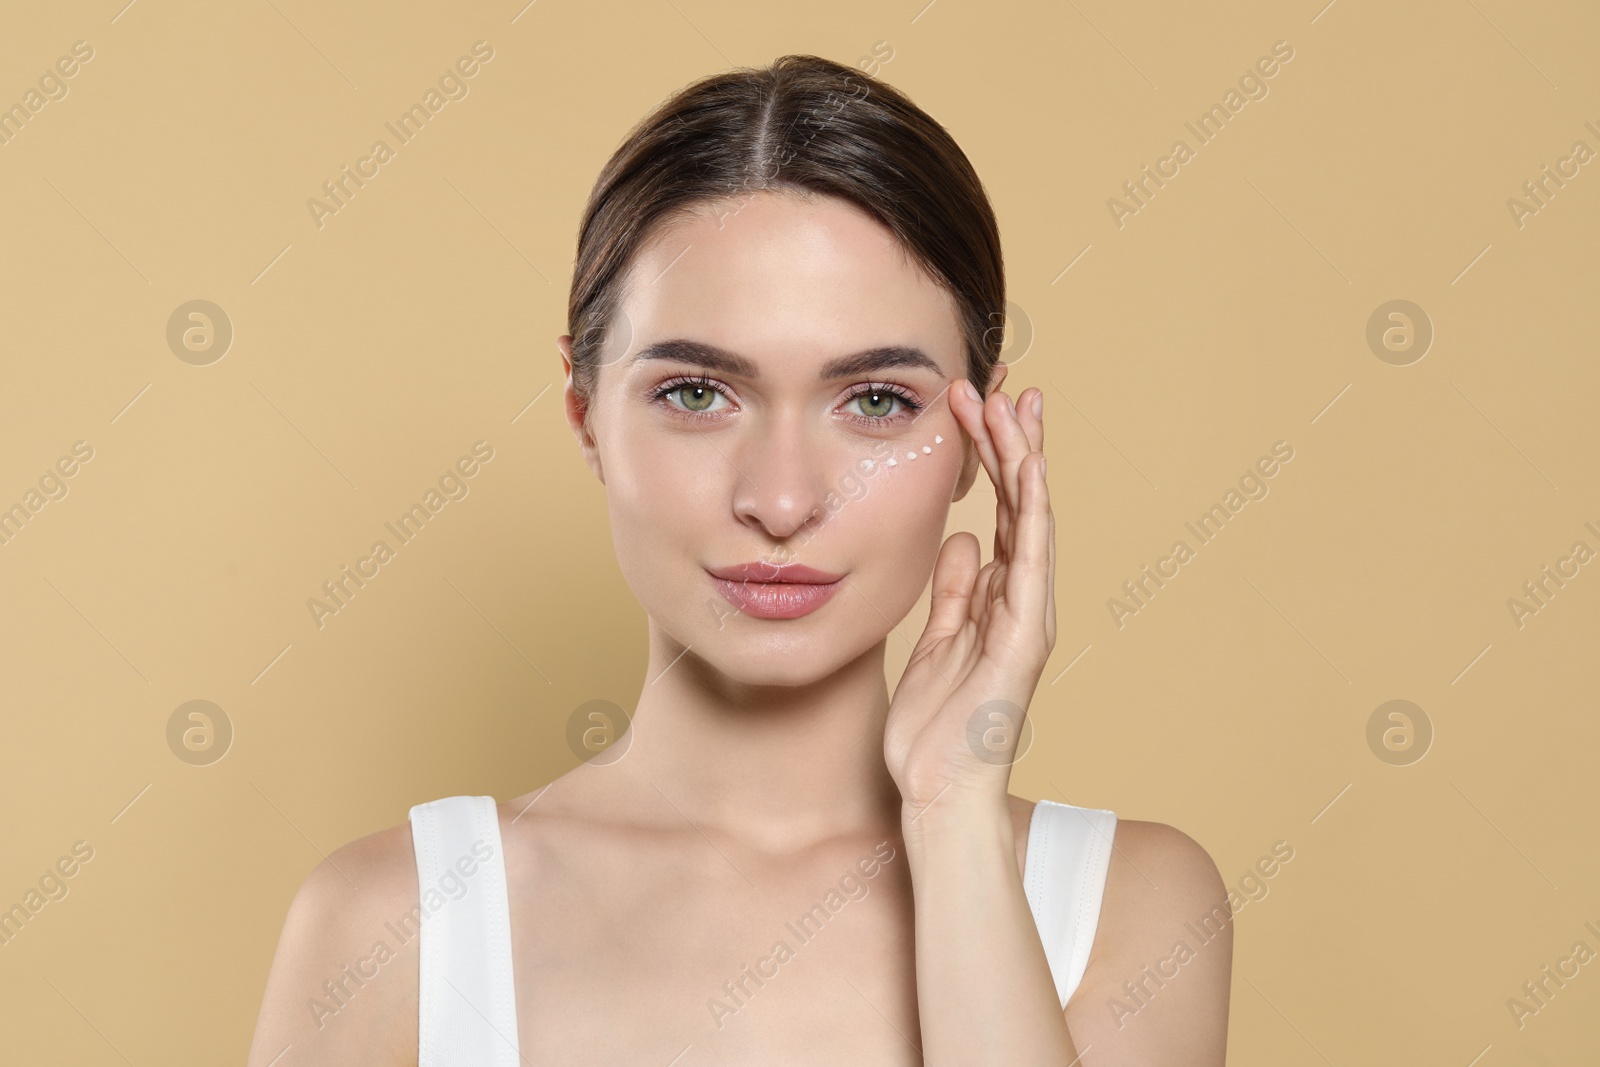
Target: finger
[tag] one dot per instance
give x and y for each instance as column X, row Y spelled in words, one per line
column 1032, row 425
column 1032, row 422
column 954, row 576
column 983, row 591
column 973, row 417
column 1028, row 577
column 1050, row 584
column 1011, row 445
column 1050, row 579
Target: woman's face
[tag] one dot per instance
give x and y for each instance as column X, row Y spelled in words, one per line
column 774, row 392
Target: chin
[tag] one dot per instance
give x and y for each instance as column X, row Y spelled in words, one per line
column 786, row 653
column 761, row 652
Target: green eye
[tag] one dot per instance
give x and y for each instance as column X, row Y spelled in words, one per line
column 876, row 402
column 694, row 396
column 885, row 401
column 702, row 401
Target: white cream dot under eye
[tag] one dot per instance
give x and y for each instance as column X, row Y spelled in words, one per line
column 937, row 439
column 926, row 450
column 911, row 455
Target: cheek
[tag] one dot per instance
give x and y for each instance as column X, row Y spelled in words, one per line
column 904, row 489
column 656, row 481
column 894, row 530
column 921, row 479
column 661, row 496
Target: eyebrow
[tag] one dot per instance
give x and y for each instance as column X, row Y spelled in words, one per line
column 710, row 357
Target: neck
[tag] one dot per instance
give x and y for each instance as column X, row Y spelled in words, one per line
column 779, row 766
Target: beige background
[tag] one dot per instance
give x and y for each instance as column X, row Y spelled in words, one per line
column 1229, row 313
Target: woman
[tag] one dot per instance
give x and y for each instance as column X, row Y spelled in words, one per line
column 786, row 289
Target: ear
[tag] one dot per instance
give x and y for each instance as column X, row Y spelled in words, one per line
column 577, row 411
column 997, row 376
column 971, row 463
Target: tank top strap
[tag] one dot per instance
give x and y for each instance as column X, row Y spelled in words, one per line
column 467, row 1009
column 1068, row 854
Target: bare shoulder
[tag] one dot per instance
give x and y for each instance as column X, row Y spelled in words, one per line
column 1156, row 985
column 1164, row 867
column 343, row 984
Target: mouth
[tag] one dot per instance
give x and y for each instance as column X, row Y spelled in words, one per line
column 772, row 591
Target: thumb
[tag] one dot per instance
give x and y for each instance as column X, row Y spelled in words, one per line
column 954, row 574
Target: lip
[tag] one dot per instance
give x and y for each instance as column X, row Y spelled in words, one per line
column 769, row 591
column 786, row 573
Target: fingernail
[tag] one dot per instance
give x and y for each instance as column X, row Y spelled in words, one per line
column 1038, row 405
column 968, row 388
column 1042, row 462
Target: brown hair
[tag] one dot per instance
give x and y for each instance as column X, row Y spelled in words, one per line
column 807, row 125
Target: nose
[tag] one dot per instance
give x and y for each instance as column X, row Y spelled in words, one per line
column 781, row 481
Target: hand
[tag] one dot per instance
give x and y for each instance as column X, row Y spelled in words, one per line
column 956, row 716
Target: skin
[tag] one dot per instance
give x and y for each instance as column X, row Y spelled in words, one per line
column 767, row 757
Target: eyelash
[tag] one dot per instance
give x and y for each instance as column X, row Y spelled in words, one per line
column 908, row 402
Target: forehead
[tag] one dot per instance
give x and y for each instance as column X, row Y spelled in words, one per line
column 790, row 282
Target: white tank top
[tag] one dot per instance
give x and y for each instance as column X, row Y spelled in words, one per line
column 467, row 999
